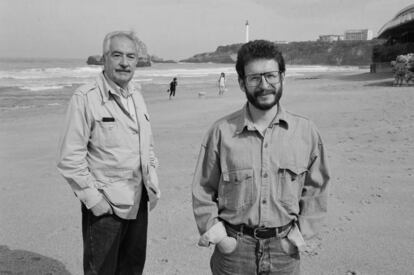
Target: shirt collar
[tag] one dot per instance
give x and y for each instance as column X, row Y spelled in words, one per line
column 245, row 121
column 107, row 86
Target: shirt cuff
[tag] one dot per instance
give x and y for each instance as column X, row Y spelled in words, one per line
column 310, row 225
column 214, row 235
column 89, row 196
column 295, row 236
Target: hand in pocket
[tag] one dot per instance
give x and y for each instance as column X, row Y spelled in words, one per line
column 227, row 245
column 101, row 208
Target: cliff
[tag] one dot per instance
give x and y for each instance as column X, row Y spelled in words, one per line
column 303, row 53
column 223, row 54
column 156, row 59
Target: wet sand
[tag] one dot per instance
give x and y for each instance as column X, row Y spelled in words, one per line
column 367, row 127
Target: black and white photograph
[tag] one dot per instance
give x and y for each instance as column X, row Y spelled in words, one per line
column 224, row 137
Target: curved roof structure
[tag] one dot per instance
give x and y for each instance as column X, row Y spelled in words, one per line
column 400, row 27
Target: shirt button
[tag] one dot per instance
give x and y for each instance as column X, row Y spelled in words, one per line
column 264, row 201
column 265, row 145
column 265, row 175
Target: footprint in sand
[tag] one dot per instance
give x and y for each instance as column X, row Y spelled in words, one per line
column 312, row 247
column 365, row 202
column 352, row 212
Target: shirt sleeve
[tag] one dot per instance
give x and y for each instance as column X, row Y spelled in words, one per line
column 204, row 192
column 72, row 162
column 313, row 202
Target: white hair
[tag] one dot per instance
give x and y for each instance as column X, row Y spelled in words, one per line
column 128, row 34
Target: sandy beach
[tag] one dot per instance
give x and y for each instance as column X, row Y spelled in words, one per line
column 368, row 129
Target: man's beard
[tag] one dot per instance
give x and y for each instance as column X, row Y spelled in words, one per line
column 253, row 98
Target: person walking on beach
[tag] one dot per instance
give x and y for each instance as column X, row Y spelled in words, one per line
column 107, row 156
column 173, row 85
column 260, row 183
column 222, row 83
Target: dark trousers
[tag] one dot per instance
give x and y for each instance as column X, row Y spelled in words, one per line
column 112, row 245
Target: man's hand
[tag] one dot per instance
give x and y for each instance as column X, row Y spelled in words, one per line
column 227, row 245
column 103, row 207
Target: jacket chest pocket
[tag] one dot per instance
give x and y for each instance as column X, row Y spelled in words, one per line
column 291, row 180
column 236, row 189
column 107, row 134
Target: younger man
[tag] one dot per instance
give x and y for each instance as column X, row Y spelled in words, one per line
column 261, row 177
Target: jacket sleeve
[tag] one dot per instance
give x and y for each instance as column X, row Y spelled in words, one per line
column 204, row 193
column 152, row 157
column 153, row 163
column 72, row 162
column 152, row 167
column 153, row 160
column 313, row 202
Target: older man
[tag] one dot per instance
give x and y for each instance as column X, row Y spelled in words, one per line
column 260, row 181
column 107, row 156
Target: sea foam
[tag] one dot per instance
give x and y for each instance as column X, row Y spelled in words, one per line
column 55, row 77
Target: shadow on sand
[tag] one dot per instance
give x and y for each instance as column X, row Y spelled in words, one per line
column 372, row 79
column 30, row 263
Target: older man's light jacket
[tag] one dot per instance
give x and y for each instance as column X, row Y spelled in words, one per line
column 105, row 154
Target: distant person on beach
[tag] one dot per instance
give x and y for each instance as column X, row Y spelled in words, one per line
column 173, row 86
column 259, row 187
column 222, row 83
column 107, row 156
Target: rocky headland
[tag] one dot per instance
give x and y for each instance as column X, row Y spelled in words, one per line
column 354, row 53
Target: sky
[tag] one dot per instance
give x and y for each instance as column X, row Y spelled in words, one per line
column 177, row 29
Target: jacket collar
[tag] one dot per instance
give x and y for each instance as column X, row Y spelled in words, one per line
column 245, row 122
column 107, row 86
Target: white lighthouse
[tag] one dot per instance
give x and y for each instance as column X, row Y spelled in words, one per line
column 247, row 31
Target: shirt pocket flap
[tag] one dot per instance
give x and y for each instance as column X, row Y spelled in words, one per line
column 238, row 175
column 294, row 169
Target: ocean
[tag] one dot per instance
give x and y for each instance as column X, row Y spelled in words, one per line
column 23, row 78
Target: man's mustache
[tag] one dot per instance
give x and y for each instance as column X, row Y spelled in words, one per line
column 124, row 71
column 265, row 92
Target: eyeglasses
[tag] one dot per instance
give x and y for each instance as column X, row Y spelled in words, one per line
column 255, row 79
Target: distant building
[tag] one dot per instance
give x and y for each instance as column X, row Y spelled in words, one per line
column 399, row 35
column 363, row 34
column 401, row 28
column 330, row 37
